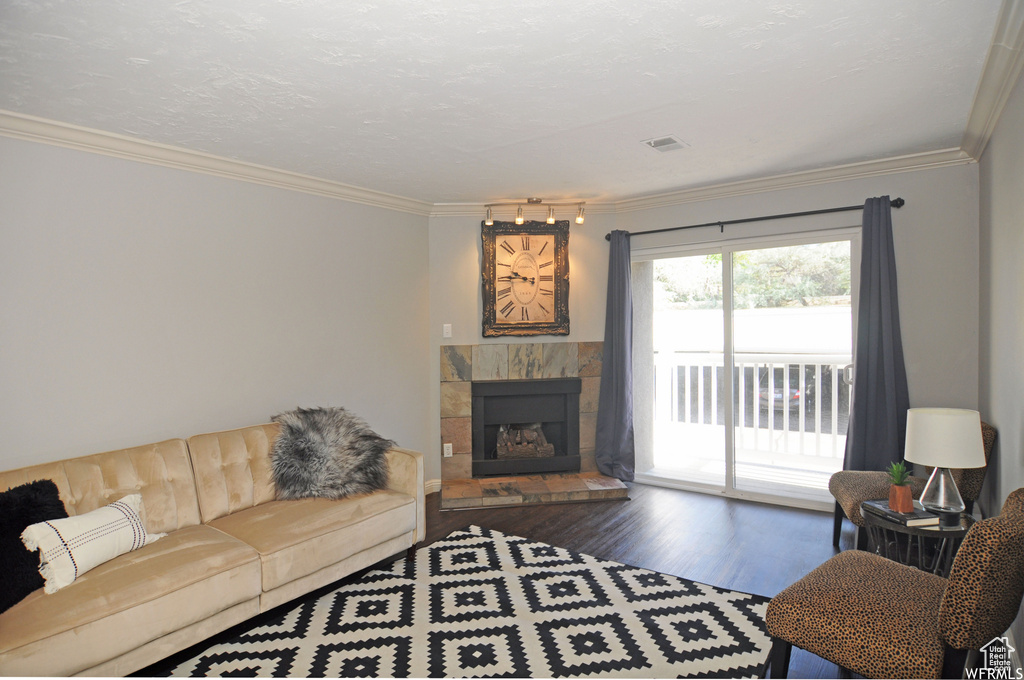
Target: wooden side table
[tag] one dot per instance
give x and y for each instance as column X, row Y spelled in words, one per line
column 929, row 548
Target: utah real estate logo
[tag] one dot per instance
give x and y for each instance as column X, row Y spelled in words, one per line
column 997, row 662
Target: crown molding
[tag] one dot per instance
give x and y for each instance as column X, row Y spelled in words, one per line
column 1003, row 67
column 30, row 128
column 541, row 209
column 20, row 126
column 886, row 166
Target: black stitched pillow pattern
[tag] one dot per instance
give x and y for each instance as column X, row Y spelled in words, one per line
column 21, row 506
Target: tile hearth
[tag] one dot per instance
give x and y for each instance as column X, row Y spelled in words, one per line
column 524, row 489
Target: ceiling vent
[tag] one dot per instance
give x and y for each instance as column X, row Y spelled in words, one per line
column 663, row 144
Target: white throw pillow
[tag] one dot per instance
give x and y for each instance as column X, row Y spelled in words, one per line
column 70, row 547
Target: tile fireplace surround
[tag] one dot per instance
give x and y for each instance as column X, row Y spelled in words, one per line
column 462, row 364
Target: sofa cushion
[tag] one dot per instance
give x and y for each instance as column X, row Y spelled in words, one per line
column 183, row 578
column 72, row 546
column 161, row 472
column 232, row 469
column 298, row 537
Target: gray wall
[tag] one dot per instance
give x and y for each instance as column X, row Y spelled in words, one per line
column 1002, row 304
column 139, row 303
column 1002, row 298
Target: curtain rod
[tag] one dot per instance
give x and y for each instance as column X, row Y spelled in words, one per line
column 895, row 203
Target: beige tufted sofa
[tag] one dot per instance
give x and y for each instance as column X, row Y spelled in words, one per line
column 231, row 550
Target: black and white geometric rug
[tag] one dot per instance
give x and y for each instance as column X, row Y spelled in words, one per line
column 484, row 604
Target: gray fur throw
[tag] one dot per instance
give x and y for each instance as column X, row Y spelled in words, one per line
column 327, row 453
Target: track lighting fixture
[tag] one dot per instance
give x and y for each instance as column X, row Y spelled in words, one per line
column 531, row 202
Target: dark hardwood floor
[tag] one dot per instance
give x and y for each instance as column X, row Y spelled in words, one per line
column 740, row 545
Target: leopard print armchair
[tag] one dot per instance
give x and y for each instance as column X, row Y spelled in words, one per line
column 882, row 619
column 852, row 487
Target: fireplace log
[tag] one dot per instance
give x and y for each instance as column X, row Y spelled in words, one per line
column 499, row 404
column 523, row 441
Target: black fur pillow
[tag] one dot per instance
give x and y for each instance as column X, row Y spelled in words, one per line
column 327, row 453
column 19, row 507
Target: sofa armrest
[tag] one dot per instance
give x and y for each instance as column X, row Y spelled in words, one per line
column 405, row 474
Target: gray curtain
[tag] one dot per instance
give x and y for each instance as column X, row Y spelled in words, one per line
column 878, row 408
column 614, row 447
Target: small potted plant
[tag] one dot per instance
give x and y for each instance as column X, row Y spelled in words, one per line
column 901, row 498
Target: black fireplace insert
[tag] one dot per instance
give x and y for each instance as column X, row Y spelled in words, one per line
column 526, row 426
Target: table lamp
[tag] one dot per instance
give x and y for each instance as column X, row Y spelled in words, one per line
column 944, row 438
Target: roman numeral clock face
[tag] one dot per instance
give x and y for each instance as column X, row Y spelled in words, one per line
column 525, row 279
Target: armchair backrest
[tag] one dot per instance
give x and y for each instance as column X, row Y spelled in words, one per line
column 986, row 583
column 969, row 480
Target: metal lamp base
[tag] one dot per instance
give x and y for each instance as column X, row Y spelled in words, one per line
column 941, row 496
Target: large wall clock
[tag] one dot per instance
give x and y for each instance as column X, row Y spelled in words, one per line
column 526, row 278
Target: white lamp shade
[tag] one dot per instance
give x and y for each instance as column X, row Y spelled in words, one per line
column 945, row 438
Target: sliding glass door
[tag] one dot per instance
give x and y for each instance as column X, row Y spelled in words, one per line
column 792, row 340
column 742, row 354
column 689, row 368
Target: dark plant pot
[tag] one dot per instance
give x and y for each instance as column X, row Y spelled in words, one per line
column 901, row 499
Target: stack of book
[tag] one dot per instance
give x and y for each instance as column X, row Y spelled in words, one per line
column 918, row 518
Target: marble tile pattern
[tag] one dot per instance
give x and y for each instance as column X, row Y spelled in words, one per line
column 456, row 362
column 524, row 361
column 460, row 466
column 560, row 360
column 588, row 431
column 459, row 433
column 588, row 461
column 457, row 399
column 490, row 362
column 590, row 392
column 591, row 356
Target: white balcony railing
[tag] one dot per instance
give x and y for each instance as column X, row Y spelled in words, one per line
column 790, row 413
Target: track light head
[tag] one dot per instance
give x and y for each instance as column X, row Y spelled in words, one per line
column 533, row 203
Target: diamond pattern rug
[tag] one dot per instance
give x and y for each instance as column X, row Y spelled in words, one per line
column 485, row 604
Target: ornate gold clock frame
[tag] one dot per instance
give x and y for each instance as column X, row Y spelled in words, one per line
column 526, row 278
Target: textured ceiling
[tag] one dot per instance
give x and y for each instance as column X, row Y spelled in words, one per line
column 463, row 101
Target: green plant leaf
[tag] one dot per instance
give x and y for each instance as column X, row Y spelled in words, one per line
column 898, row 473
